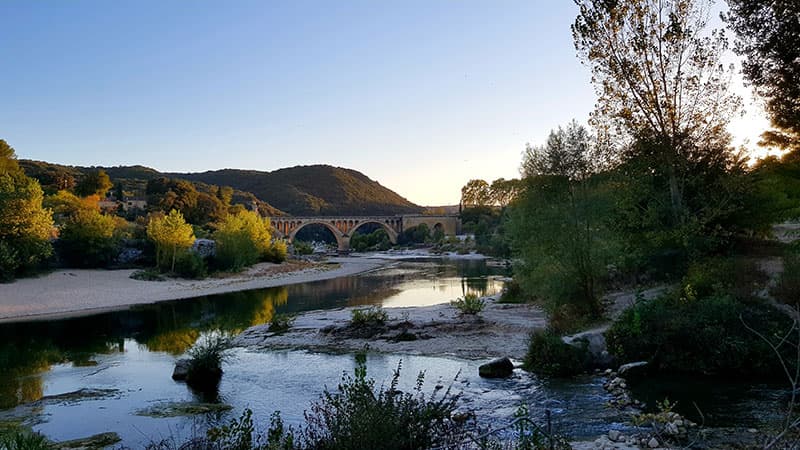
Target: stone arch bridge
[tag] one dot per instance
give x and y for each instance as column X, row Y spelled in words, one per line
column 343, row 227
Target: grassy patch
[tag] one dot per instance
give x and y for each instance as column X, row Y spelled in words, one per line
column 470, row 304
column 182, row 409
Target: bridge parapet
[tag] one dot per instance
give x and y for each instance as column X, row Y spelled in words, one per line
column 343, row 227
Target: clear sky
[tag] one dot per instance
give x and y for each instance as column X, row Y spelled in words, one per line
column 421, row 95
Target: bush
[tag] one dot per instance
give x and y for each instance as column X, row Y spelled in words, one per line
column 471, row 304
column 548, row 355
column 277, row 252
column 682, row 332
column 281, row 323
column 22, row 440
column 88, row 239
column 205, row 361
column 302, row 248
column 358, row 416
column 738, row 276
column 242, row 240
column 368, row 317
column 148, row 275
column 787, row 289
column 191, row 265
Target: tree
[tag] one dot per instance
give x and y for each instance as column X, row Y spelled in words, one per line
column 660, row 78
column 242, row 239
column 25, row 226
column 768, row 34
column 95, row 182
column 476, row 193
column 567, row 154
column 505, row 191
column 88, row 239
column 558, row 226
column 170, row 234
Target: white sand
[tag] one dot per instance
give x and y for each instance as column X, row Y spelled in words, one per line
column 69, row 293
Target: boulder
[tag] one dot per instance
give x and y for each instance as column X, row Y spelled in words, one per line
column 181, row 370
column 635, row 370
column 594, row 341
column 496, row 368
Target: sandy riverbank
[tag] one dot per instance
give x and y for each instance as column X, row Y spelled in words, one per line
column 73, row 292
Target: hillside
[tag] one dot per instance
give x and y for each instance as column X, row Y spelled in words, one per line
column 312, row 190
column 301, row 190
column 132, row 178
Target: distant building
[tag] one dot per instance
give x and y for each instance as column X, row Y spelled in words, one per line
column 134, row 203
column 108, row 205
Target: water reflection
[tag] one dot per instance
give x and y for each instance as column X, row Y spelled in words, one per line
column 29, row 349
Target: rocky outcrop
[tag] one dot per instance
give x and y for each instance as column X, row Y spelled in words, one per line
column 496, row 368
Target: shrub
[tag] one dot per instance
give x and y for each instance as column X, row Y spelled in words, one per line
column 191, row 265
column 359, row 416
column 738, row 276
column 548, row 355
column 205, row 361
column 512, row 293
column 471, row 304
column 242, row 240
column 787, row 289
column 281, row 323
column 22, row 440
column 148, row 275
column 88, row 239
column 302, row 248
column 683, row 332
column 277, row 252
column 367, row 317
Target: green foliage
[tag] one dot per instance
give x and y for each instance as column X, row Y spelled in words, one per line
column 787, row 288
column 302, row 248
column 148, row 275
column 88, row 239
column 24, row 440
column 237, row 435
column 358, row 416
column 206, row 358
column 25, row 226
column 191, row 265
column 277, row 252
column 548, row 355
column 368, row 317
column 512, row 293
column 470, row 304
column 95, row 182
column 242, row 240
column 171, row 234
column 768, row 38
column 684, row 332
column 419, row 234
column 378, row 240
column 281, row 323
column 559, row 233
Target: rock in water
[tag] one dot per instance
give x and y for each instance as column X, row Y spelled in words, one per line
column 181, row 370
column 496, row 368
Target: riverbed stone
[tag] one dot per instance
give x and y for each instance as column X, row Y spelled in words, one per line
column 614, row 435
column 496, row 368
column 181, row 370
column 653, row 443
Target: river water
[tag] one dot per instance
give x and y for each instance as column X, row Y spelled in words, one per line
column 123, row 361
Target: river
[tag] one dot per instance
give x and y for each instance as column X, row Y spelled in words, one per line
column 126, row 359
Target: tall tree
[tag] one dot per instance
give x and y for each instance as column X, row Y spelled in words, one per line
column 25, row 226
column 476, row 193
column 768, row 34
column 660, row 77
column 567, row 154
column 170, row 233
column 96, row 182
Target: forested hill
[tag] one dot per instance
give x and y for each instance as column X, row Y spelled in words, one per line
column 312, row 190
column 301, row 190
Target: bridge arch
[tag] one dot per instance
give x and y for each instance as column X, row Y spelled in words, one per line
column 384, row 225
column 342, row 241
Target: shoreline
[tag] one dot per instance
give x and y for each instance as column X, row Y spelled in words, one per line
column 70, row 293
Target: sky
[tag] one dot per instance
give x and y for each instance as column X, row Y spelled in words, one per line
column 420, row 95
